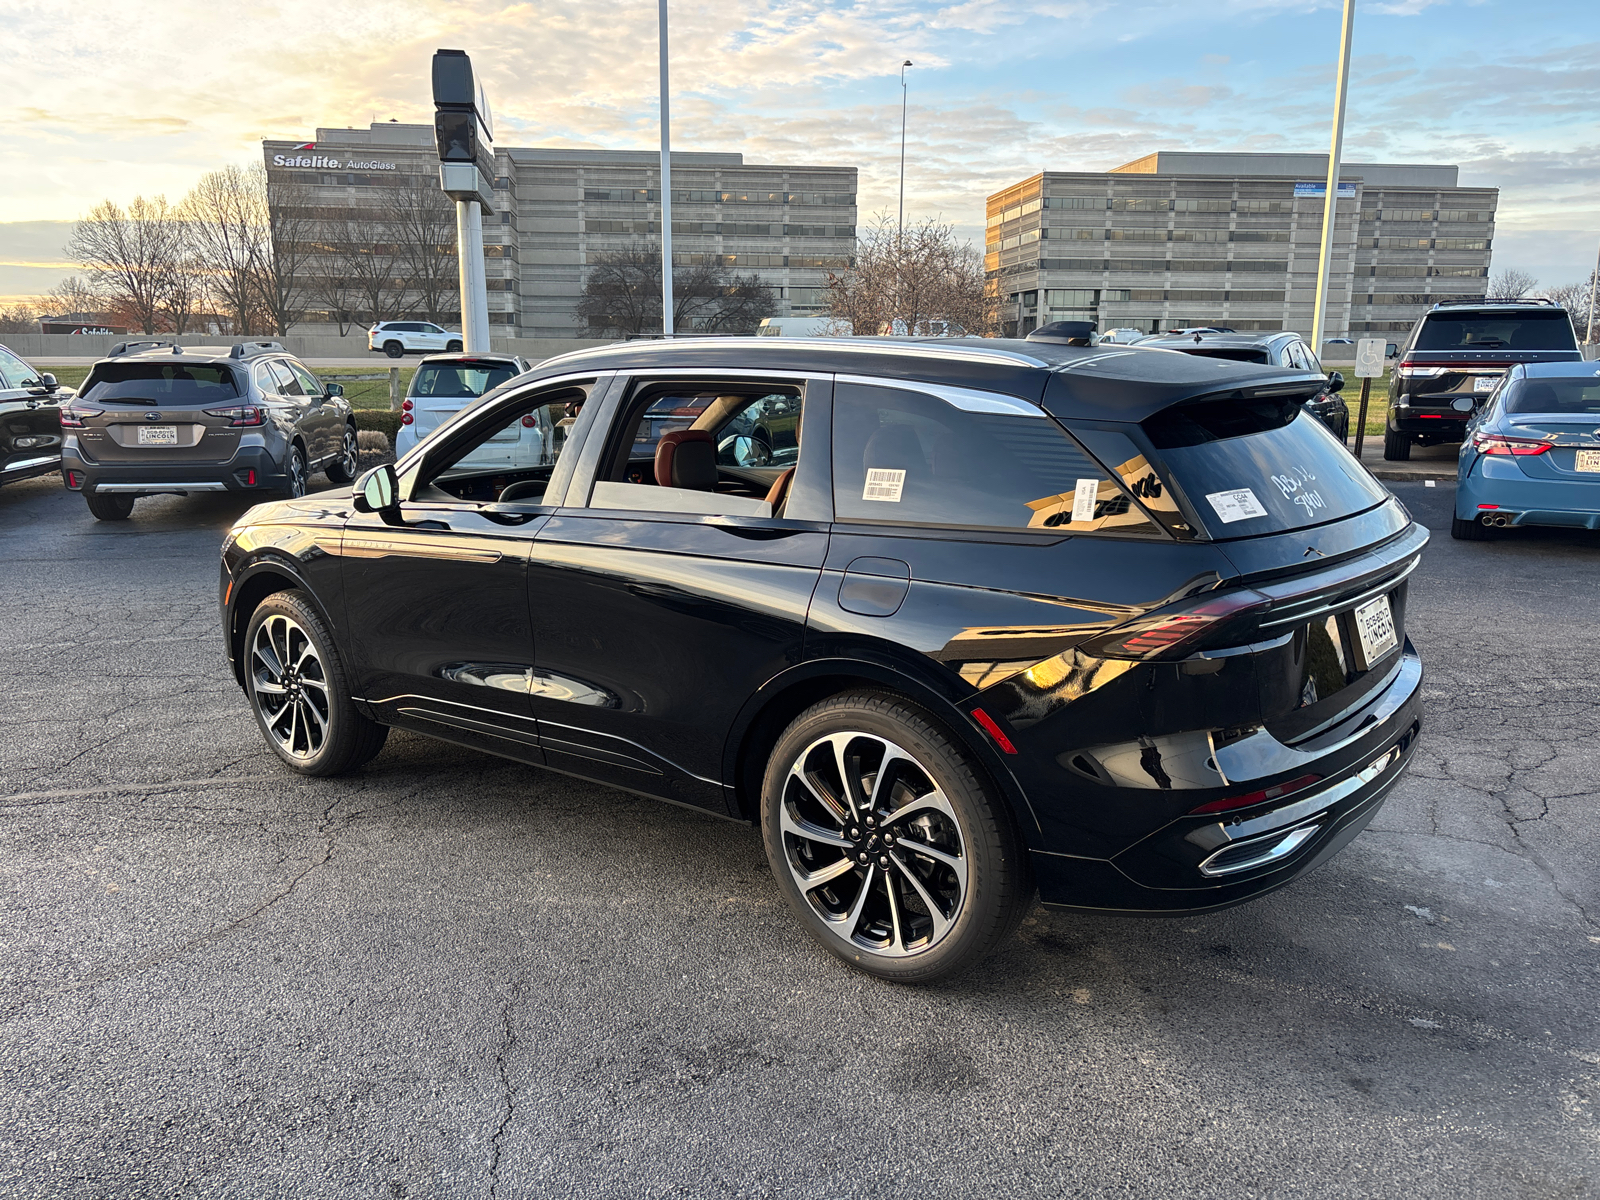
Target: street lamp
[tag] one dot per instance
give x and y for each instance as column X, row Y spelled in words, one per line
column 903, row 66
column 1330, row 203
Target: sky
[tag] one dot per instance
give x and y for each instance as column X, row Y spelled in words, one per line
column 118, row 99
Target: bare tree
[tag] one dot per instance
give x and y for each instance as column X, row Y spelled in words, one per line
column 357, row 260
column 130, row 255
column 916, row 277
column 19, row 318
column 226, row 215
column 1511, row 283
column 622, row 296
column 187, row 292
column 1577, row 298
column 422, row 222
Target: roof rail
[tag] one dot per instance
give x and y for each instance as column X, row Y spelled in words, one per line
column 1492, row 300
column 251, row 349
column 122, row 348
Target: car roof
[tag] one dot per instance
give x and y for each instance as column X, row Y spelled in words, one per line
column 1109, row 383
column 1562, row 370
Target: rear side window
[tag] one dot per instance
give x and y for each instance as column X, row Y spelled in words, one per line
column 1581, row 397
column 906, row 457
column 1536, row 329
column 170, row 382
column 1259, row 466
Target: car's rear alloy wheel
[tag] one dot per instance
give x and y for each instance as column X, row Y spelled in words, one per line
column 295, row 472
column 453, row 348
column 343, row 469
column 887, row 842
column 393, row 349
column 298, row 691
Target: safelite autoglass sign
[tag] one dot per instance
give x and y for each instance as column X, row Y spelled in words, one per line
column 298, row 157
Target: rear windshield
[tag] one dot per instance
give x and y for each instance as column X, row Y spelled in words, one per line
column 459, row 380
column 1536, row 329
column 1259, row 466
column 1578, row 396
column 169, row 382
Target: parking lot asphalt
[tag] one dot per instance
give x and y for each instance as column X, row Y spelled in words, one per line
column 451, row 975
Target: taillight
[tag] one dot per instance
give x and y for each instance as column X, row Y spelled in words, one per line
column 529, row 421
column 1488, row 443
column 405, row 406
column 1276, row 792
column 405, row 418
column 72, row 416
column 1422, row 372
column 243, row 414
column 1177, row 633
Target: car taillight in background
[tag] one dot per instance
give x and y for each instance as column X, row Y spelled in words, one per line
column 1422, row 372
column 406, row 418
column 1486, row 443
column 1176, row 633
column 72, row 416
column 529, row 421
column 242, row 414
column 406, row 405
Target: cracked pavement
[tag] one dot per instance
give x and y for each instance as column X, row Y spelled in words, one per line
column 451, row 975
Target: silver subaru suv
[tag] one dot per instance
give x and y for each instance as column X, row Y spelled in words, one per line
column 156, row 418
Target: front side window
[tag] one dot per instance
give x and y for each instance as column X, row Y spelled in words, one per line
column 14, row 373
column 906, row 457
column 309, row 383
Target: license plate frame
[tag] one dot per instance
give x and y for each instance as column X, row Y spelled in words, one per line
column 158, row 435
column 1485, row 383
column 1587, row 462
column 1376, row 634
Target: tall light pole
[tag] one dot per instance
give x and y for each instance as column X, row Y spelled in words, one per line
column 667, row 323
column 1594, row 282
column 1330, row 204
column 902, row 227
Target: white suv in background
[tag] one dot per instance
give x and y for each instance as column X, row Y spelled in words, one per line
column 395, row 338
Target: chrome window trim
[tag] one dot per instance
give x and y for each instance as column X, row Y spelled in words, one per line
column 966, row 399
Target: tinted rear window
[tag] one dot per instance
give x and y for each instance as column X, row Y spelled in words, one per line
column 1578, row 396
column 1233, row 353
column 1536, row 329
column 168, row 382
column 461, row 380
column 1259, row 466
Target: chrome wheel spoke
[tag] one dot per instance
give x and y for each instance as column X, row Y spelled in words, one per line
column 853, row 917
column 290, row 688
column 891, row 754
column 801, row 828
column 815, row 879
column 895, row 924
column 854, row 796
column 933, row 800
column 820, row 795
column 912, row 846
column 269, row 687
column 935, row 908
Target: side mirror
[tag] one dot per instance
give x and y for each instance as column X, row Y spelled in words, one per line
column 334, row 389
column 1335, row 382
column 49, row 382
column 1462, row 404
column 746, row 451
column 378, row 490
column 1390, row 350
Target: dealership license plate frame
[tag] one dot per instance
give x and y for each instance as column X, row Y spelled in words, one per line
column 1587, row 462
column 1375, row 630
column 1485, row 383
column 158, row 435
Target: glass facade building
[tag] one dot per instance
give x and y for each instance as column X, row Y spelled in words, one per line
column 1177, row 239
column 559, row 210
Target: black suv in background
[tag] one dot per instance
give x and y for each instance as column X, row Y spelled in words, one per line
column 1270, row 349
column 30, row 420
column 1455, row 357
column 1122, row 626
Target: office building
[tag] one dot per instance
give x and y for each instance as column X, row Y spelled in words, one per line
column 1177, row 239
column 558, row 210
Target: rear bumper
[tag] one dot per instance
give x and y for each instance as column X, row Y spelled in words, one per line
column 155, row 479
column 1527, row 501
column 1199, row 863
column 1430, row 423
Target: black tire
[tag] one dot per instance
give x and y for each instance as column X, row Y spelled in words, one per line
column 1396, row 446
column 109, row 508
column 345, row 468
column 309, row 721
column 982, row 885
column 295, row 472
column 1470, row 531
column 452, row 348
column 393, row 349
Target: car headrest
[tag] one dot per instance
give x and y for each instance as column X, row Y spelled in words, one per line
column 687, row 458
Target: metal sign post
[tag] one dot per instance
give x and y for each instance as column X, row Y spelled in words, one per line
column 464, row 127
column 1330, row 205
column 1369, row 366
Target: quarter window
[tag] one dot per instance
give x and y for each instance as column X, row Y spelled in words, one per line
column 906, row 457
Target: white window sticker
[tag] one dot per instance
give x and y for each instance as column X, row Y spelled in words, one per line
column 1238, row 505
column 1083, row 498
column 884, row 484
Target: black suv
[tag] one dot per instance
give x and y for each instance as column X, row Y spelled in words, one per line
column 30, row 420
column 1121, row 626
column 1271, row 349
column 156, row 418
column 1455, row 357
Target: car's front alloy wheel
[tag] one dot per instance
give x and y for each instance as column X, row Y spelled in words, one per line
column 886, row 841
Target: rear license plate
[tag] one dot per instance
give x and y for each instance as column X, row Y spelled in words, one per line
column 1485, row 383
column 158, row 435
column 1588, row 460
column 1375, row 629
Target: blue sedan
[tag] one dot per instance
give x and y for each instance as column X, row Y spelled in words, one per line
column 1532, row 453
